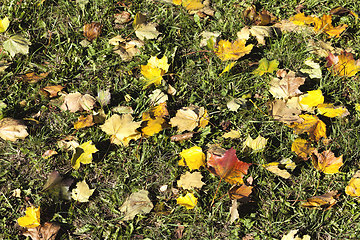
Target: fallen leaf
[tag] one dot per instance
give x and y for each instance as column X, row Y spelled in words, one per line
column 260, row 32
column 189, row 201
column 283, row 112
column 17, row 44
column 190, row 181
column 182, row 137
column 291, row 236
column 286, row 85
column 92, row 30
column 127, row 49
column 122, row 17
column 47, row 231
column 83, row 154
column 329, row 110
column 322, row 48
column 232, row 51
column 324, row 24
column 234, row 213
column 302, row 148
column 188, row 118
column 228, row 166
column 227, row 68
column 343, row 11
column 84, row 122
column 266, row 67
column 74, row 102
column 301, row 19
column 144, row 30
column 68, row 143
column 233, row 134
column 82, row 192
column 12, row 129
column 240, row 193
column 4, row 24
column 209, row 39
column 104, row 97
column 154, row 70
column 122, row 129
column 157, row 97
column 326, row 161
column 31, row 218
column 190, row 4
column 123, row 110
column 193, row 157
column 257, row 144
column 325, row 201
column 288, row 27
column 51, row 91
column 343, row 64
column 49, row 153
column 312, row 98
column 235, row 103
column 311, row 125
column 57, row 186
column 136, row 203
column 315, row 71
column 353, row 188
column 153, row 120
column 32, row 77
column 280, row 168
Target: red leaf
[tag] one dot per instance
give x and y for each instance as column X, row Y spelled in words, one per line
column 228, row 166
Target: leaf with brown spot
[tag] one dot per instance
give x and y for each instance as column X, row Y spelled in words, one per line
column 302, row 148
column 32, row 77
column 326, row 161
column 51, row 91
column 92, row 30
column 324, row 202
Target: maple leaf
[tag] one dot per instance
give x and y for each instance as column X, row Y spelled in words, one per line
column 83, row 154
column 353, row 189
column 31, row 218
column 232, row 134
column 82, row 192
column 232, row 51
column 144, row 30
column 74, row 102
column 188, row 118
column 286, row 85
column 228, row 166
column 17, row 44
column 51, row 91
column 302, row 148
column 329, row 110
column 127, row 49
column 12, row 129
column 47, row 231
column 189, row 201
column 154, row 70
column 153, row 120
column 301, row 19
column 283, row 112
column 266, row 67
column 324, row 25
column 311, row 125
column 343, row 64
column 84, row 122
column 193, row 157
column 257, row 144
column 325, row 201
column 326, row 161
column 285, row 164
column 190, row 180
column 137, row 203
column 312, row 98
column 122, row 129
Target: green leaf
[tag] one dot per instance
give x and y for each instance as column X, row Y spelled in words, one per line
column 17, row 44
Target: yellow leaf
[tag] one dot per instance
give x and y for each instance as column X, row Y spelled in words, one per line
column 188, row 118
column 84, row 122
column 122, row 129
column 353, row 189
column 302, row 148
column 82, row 192
column 312, row 98
column 228, row 68
column 257, row 144
column 324, row 25
column 324, row 201
column 301, row 19
column 311, row 125
column 266, row 67
column 357, row 107
column 189, row 201
column 343, row 64
column 274, row 167
column 153, row 126
column 83, row 154
column 177, row 2
column 232, row 51
column 192, row 4
column 31, row 218
column 4, row 24
column 329, row 110
column 326, row 162
column 193, row 157
column 232, row 134
column 153, row 75
column 161, row 63
column 153, row 120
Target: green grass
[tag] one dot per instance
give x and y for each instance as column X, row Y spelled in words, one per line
column 148, row 164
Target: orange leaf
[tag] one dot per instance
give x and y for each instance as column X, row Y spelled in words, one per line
column 92, row 30
column 343, row 64
column 301, row 19
column 228, row 166
column 240, row 192
column 324, row 25
column 324, row 201
column 302, row 148
column 326, row 161
column 311, row 125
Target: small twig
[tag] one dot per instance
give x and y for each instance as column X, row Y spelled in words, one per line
column 217, row 189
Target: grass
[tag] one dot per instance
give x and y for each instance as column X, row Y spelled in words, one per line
column 118, row 171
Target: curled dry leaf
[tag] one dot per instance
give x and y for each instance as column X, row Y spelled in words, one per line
column 12, row 129
column 326, row 161
column 325, row 201
column 47, row 231
column 51, row 91
column 136, row 203
column 92, row 30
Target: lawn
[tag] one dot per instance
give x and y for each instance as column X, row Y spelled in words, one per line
column 61, row 52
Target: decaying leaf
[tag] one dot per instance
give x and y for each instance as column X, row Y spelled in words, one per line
column 311, row 125
column 353, row 189
column 84, row 121
column 329, row 110
column 127, row 49
column 47, row 231
column 234, row 213
column 326, row 161
column 228, row 166
column 189, row 201
column 182, row 137
column 12, row 129
column 122, row 129
column 280, row 168
column 240, row 193
column 302, row 148
column 122, row 17
column 136, row 203
column 32, row 77
column 288, row 26
column 188, row 118
column 266, row 67
column 286, row 85
column 144, row 30
column 31, row 218
column 190, row 181
column 232, row 134
column 83, row 154
column 193, row 157
column 92, row 30
column 281, row 111
column 82, row 192
column 324, row 24
column 17, row 44
column 49, row 153
column 262, row 18
column 343, row 64
column 322, row 48
column 325, row 201
column 51, row 91
column 232, row 51
column 74, row 102
column 257, row 144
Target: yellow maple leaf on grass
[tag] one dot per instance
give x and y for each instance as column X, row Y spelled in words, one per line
column 188, row 118
column 83, row 154
column 31, row 218
column 301, row 19
column 189, row 201
column 82, row 192
column 232, row 51
column 153, row 120
column 343, row 64
column 193, row 157
column 311, row 125
column 353, row 189
column 329, row 110
column 312, row 98
column 302, row 148
column 326, row 161
column 324, row 24
column 122, row 129
column 154, row 70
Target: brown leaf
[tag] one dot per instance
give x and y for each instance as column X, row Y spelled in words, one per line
column 47, row 154
column 182, row 137
column 283, row 112
column 286, row 85
column 84, row 122
column 51, row 91
column 47, row 231
column 92, row 30
column 32, row 77
column 240, row 193
column 122, row 17
column 325, row 201
column 179, row 231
